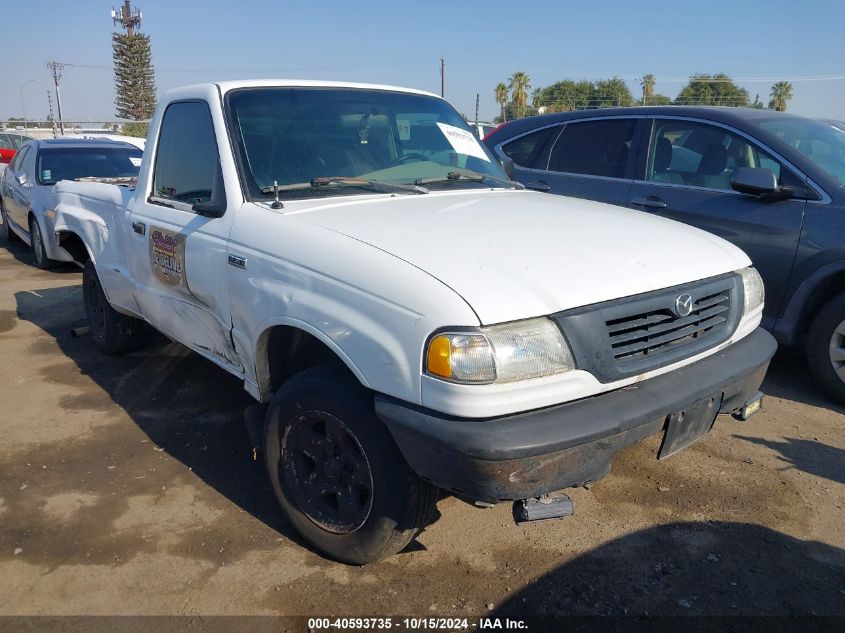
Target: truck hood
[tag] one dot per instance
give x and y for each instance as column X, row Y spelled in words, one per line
column 518, row 254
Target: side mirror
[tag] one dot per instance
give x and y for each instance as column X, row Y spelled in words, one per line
column 755, row 181
column 22, row 179
column 507, row 165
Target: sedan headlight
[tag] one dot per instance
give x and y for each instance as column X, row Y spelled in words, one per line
column 499, row 353
column 752, row 285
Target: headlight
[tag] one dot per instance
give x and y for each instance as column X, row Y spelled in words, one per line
column 755, row 293
column 499, row 353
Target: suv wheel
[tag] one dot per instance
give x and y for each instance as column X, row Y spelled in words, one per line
column 826, row 347
column 336, row 471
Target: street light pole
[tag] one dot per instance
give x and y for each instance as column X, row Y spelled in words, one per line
column 23, row 105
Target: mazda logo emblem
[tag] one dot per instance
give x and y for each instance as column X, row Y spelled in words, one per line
column 683, row 305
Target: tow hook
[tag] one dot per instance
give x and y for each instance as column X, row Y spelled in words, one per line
column 544, row 507
column 752, row 406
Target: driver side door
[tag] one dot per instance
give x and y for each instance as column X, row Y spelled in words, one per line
column 178, row 245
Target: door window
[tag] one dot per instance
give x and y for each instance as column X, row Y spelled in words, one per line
column 701, row 155
column 17, row 162
column 531, row 150
column 186, row 157
column 594, row 148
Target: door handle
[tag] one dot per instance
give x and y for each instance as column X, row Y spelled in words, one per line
column 539, row 185
column 650, row 201
column 139, row 227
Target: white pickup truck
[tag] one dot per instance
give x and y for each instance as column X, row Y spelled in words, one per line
column 412, row 320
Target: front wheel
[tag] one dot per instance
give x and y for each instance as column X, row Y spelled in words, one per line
column 113, row 333
column 826, row 347
column 336, row 471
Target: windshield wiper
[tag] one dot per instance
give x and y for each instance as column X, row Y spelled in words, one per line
column 341, row 181
column 467, row 176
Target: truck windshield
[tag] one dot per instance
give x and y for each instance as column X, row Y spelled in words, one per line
column 296, row 136
column 70, row 163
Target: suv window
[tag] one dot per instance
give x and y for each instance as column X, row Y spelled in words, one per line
column 594, row 148
column 701, row 155
column 531, row 150
column 186, row 158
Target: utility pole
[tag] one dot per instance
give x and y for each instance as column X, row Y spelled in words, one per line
column 126, row 18
column 50, row 107
column 442, row 77
column 56, row 69
column 476, row 108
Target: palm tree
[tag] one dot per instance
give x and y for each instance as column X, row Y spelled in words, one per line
column 519, row 84
column 647, row 82
column 781, row 93
column 502, row 98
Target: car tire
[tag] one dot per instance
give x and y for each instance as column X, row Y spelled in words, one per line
column 38, row 249
column 321, row 434
column 826, row 347
column 113, row 333
column 7, row 235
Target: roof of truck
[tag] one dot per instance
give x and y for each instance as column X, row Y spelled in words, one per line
column 226, row 86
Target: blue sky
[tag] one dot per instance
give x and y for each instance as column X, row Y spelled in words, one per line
column 401, row 43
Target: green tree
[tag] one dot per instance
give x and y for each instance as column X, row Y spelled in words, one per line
column 612, row 92
column 758, row 105
column 712, row 90
column 502, row 97
column 134, row 77
column 519, row 84
column 781, row 93
column 647, row 82
column 658, row 99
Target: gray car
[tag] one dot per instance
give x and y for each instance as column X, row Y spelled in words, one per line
column 26, row 186
column 770, row 182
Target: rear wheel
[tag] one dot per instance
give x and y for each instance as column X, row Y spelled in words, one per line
column 41, row 259
column 336, row 471
column 826, row 347
column 113, row 333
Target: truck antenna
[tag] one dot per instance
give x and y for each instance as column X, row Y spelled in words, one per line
column 277, row 204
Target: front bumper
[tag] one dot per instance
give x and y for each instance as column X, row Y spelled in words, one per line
column 529, row 454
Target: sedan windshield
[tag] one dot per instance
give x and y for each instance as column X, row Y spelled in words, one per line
column 297, row 136
column 71, row 163
column 821, row 142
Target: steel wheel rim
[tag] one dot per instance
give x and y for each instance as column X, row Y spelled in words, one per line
column 324, row 468
column 836, row 351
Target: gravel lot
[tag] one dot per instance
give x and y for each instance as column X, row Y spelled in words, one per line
column 128, row 487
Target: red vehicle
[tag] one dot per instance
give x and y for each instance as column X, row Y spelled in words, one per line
column 10, row 142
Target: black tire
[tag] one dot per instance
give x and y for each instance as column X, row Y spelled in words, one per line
column 7, row 235
column 327, row 411
column 113, row 333
column 37, row 238
column 826, row 336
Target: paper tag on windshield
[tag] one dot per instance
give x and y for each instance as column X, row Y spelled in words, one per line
column 462, row 141
column 135, row 161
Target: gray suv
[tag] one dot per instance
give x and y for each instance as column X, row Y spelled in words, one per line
column 770, row 182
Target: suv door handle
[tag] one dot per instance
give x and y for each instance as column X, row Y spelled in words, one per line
column 651, row 201
column 139, row 227
column 539, row 185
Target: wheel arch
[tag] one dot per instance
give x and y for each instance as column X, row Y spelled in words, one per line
column 285, row 348
column 813, row 293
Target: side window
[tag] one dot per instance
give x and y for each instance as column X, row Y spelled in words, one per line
column 594, row 148
column 701, row 155
column 531, row 150
column 18, row 161
column 186, row 157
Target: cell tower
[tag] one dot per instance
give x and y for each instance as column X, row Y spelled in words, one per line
column 126, row 18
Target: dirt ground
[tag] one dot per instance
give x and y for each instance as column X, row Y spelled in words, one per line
column 127, row 486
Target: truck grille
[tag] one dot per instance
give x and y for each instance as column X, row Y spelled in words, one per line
column 655, row 332
column 634, row 335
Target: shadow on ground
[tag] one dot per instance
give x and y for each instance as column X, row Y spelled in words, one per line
column 683, row 569
column 810, row 456
column 185, row 404
column 789, row 378
column 24, row 255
